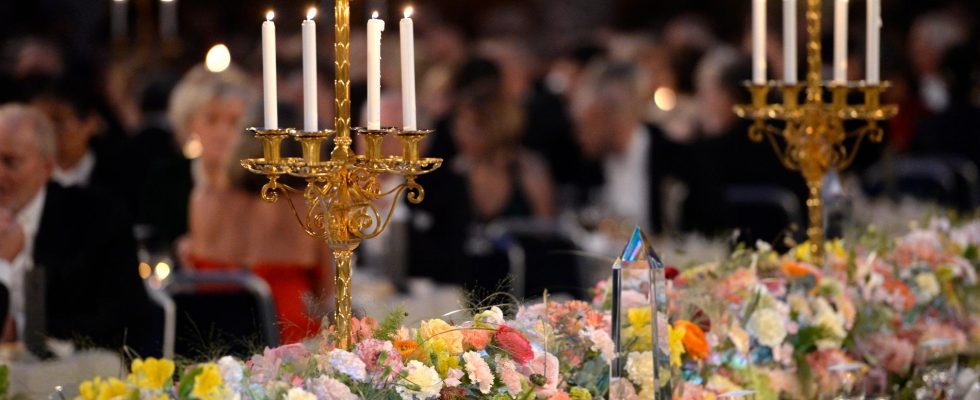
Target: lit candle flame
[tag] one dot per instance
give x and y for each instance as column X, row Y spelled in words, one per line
column 311, row 13
column 270, row 15
column 408, row 12
column 374, row 15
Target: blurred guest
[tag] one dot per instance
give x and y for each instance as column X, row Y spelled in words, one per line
column 723, row 155
column 487, row 175
column 956, row 129
column 73, row 108
column 207, row 111
column 931, row 35
column 93, row 290
column 229, row 225
column 503, row 178
column 635, row 157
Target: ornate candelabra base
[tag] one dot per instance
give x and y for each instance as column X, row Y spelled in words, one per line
column 339, row 195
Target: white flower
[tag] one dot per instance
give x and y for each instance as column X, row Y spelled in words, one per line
column 231, row 372
column 763, row 246
column 493, row 316
column 421, row 382
column 928, row 285
column 299, row 394
column 826, row 317
column 639, row 366
column 601, row 342
column 348, row 364
column 768, row 326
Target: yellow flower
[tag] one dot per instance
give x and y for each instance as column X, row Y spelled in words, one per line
column 802, row 252
column 445, row 361
column 437, row 332
column 151, row 373
column 676, row 343
column 835, row 247
column 207, row 384
column 98, row 389
column 639, row 317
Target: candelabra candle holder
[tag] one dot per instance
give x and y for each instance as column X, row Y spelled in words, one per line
column 340, row 192
column 812, row 138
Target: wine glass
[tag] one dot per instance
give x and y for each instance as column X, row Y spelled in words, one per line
column 847, row 377
column 936, row 364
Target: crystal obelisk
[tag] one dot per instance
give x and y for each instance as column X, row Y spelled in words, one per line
column 638, row 252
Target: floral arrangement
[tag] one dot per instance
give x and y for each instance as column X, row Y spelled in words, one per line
column 773, row 323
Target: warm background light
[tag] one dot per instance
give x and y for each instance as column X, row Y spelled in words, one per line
column 665, row 98
column 218, row 58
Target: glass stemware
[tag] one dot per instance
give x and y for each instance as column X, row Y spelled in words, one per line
column 847, row 379
column 935, row 361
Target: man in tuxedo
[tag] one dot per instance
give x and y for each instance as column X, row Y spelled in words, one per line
column 84, row 248
column 634, row 156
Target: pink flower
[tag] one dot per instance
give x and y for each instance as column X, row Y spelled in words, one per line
column 544, row 365
column 370, row 351
column 894, row 354
column 267, row 366
column 509, row 375
column 478, row 371
column 327, row 388
column 453, row 377
column 514, row 344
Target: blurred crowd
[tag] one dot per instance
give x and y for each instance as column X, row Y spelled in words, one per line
column 568, row 114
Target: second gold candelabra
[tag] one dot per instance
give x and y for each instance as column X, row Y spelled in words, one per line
column 813, row 139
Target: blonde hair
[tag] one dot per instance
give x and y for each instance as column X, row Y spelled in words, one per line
column 16, row 116
column 199, row 86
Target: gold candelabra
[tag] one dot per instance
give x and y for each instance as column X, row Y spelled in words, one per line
column 813, row 139
column 340, row 192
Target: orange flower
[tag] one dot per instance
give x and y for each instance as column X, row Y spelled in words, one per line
column 406, row 348
column 895, row 285
column 694, row 340
column 796, row 270
column 476, row 339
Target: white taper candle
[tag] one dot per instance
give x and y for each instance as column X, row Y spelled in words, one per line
column 374, row 28
column 168, row 19
column 840, row 42
column 309, row 73
column 269, row 72
column 759, row 41
column 789, row 41
column 873, row 61
column 407, row 38
column 120, row 18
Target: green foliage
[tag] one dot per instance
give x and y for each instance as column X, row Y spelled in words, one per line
column 4, row 380
column 390, row 323
column 187, row 383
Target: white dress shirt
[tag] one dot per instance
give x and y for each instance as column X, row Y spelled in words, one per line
column 12, row 273
column 626, row 192
column 79, row 175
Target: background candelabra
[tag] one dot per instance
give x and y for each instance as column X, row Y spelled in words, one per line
column 813, row 138
column 340, row 192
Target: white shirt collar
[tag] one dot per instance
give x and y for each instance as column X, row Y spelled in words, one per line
column 79, row 175
column 627, row 182
column 30, row 216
